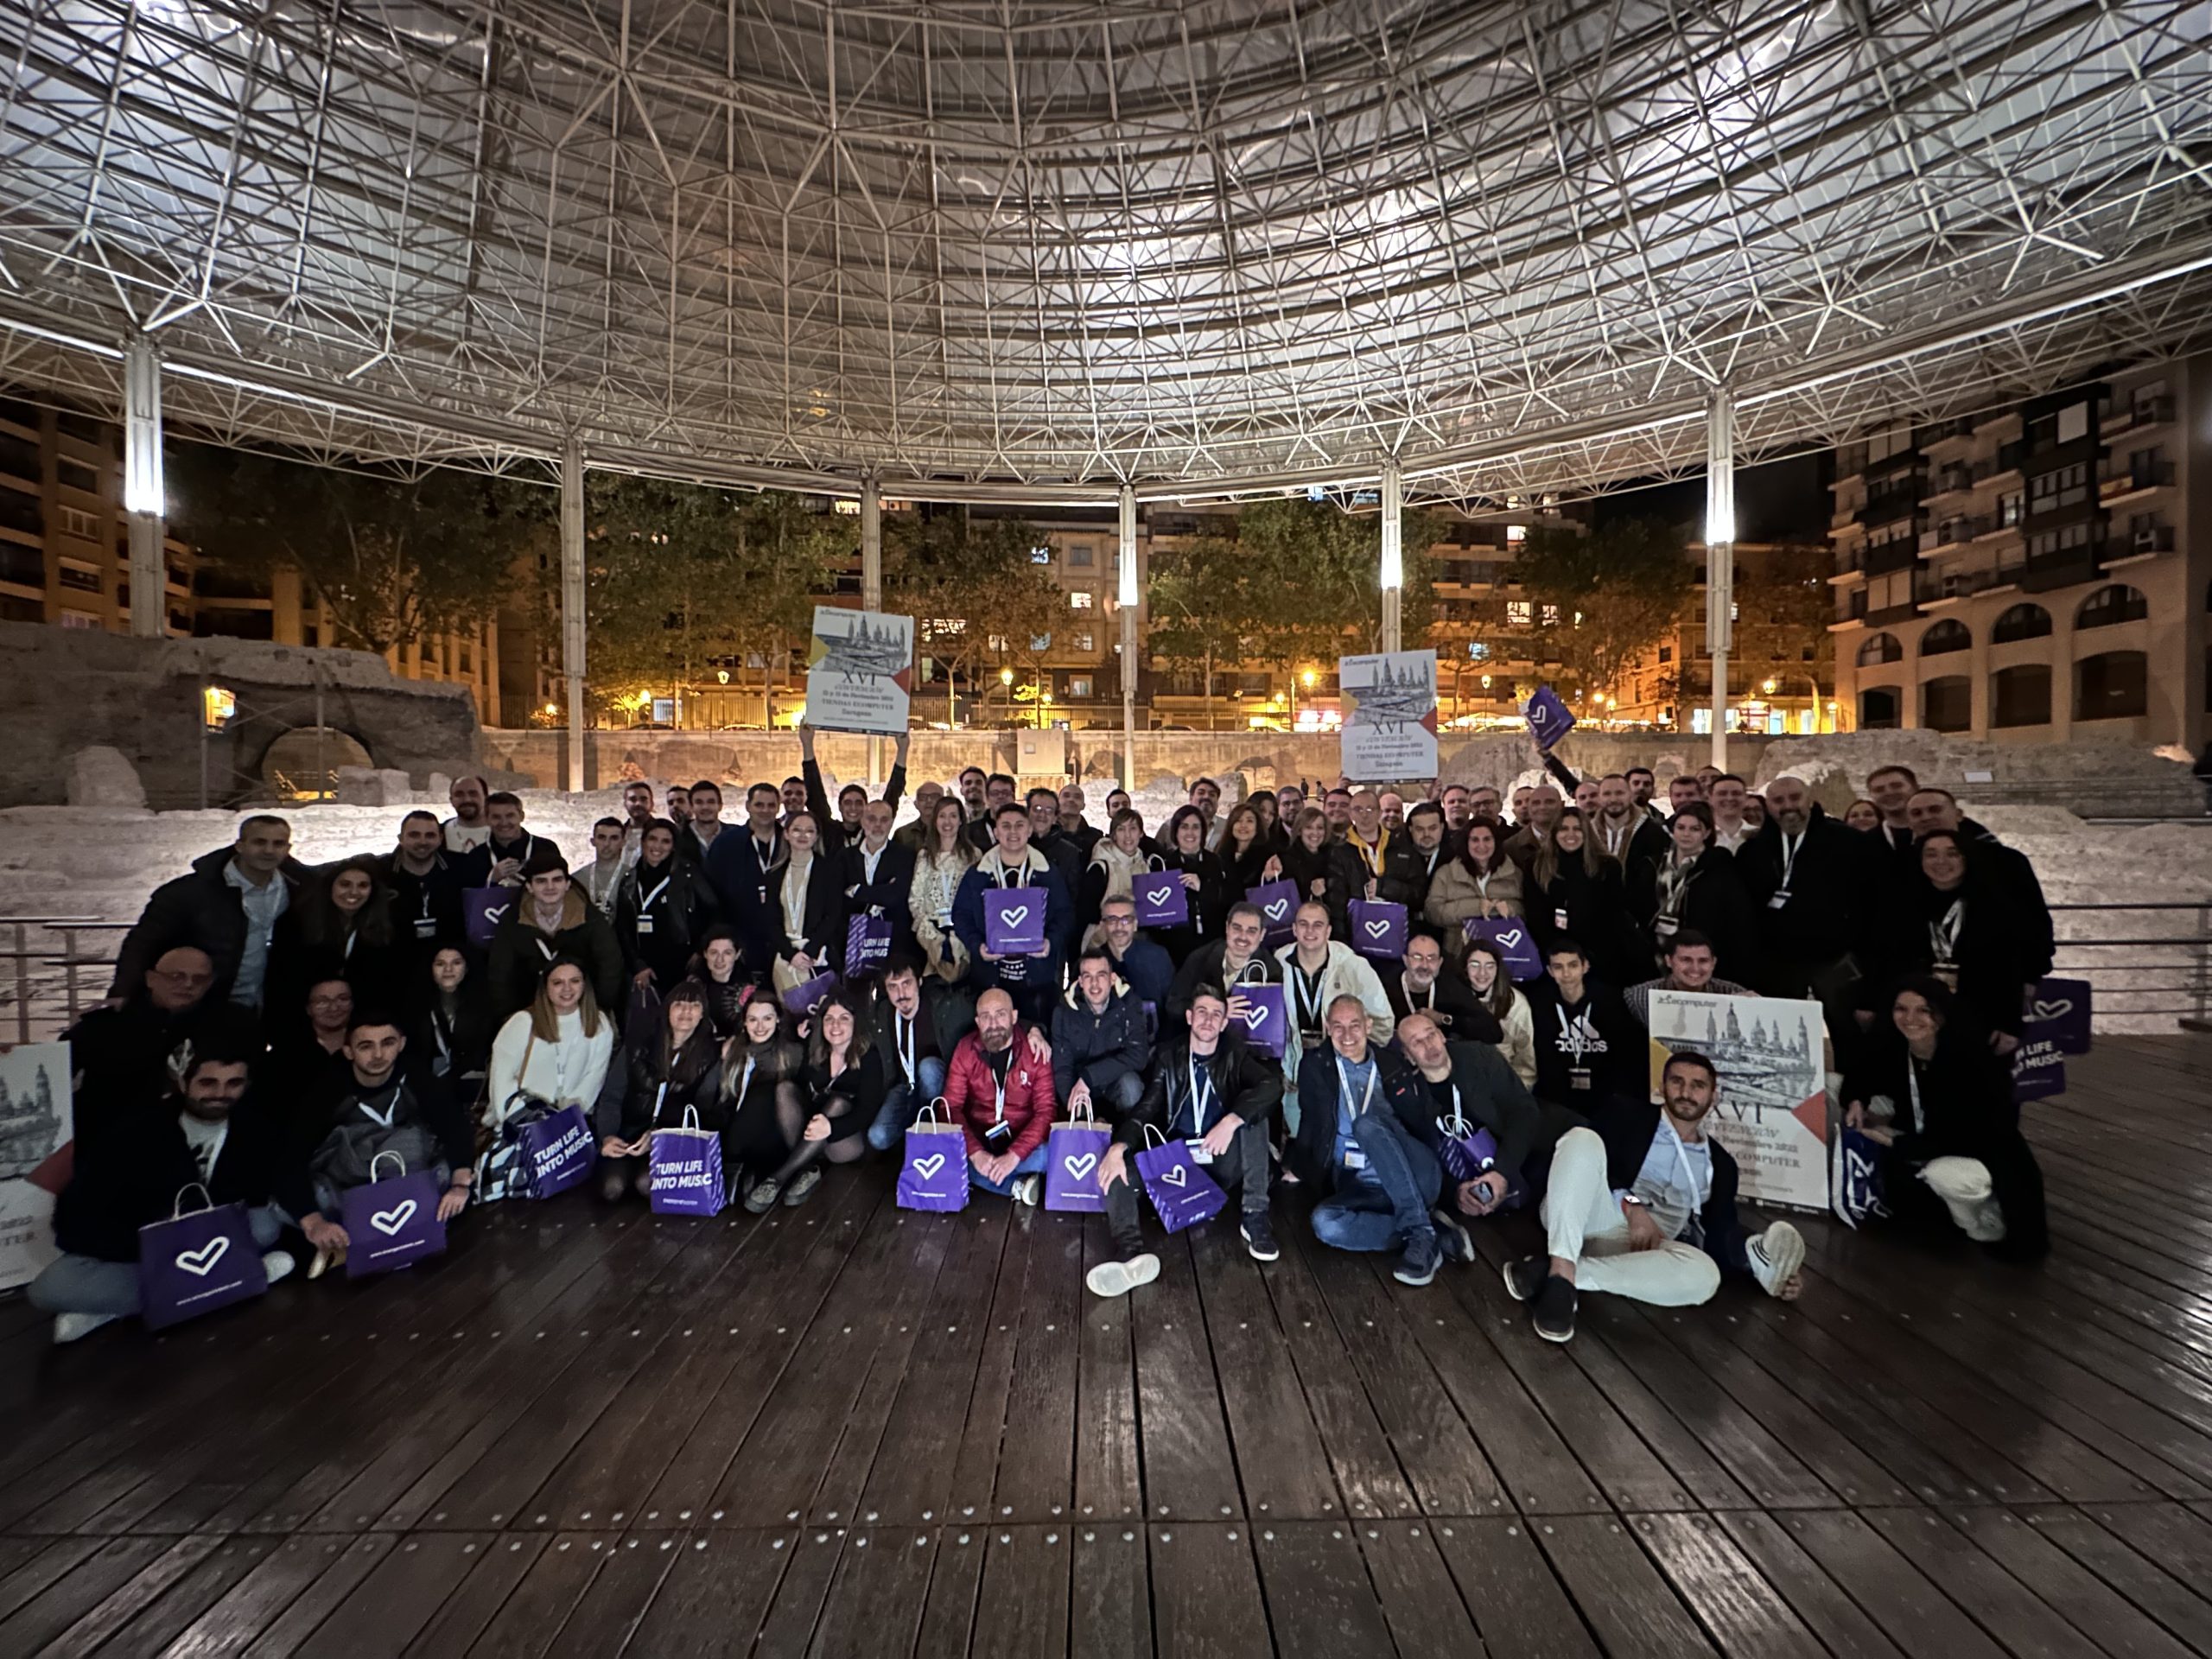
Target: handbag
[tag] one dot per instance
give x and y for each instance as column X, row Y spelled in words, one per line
column 1162, row 901
column 868, row 944
column 805, row 1000
column 1266, row 1025
column 1076, row 1146
column 392, row 1224
column 1378, row 928
column 1183, row 1194
column 1855, row 1178
column 1510, row 938
column 1013, row 920
column 197, row 1261
column 1467, row 1151
column 933, row 1173
column 1277, row 904
column 685, row 1168
column 482, row 910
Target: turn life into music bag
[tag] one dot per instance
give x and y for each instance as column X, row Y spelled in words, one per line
column 685, row 1169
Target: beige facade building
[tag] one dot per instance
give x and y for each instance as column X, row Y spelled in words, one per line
column 2037, row 574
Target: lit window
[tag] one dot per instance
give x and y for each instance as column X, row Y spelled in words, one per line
column 79, row 620
column 1078, row 685
column 1519, row 613
column 1086, row 642
column 1040, row 642
column 1040, row 556
column 1079, row 599
column 1551, row 616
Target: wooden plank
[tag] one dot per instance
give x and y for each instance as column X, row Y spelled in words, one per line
column 95, row 1601
column 608, row 1611
column 716, row 1597
column 501, row 1566
column 1109, row 1469
column 1745, row 1616
column 2161, row 1583
column 1827, row 1611
column 2009, row 1610
column 384, row 1611
column 1913, row 1612
column 1627, row 1602
column 285, row 1574
column 787, row 1632
column 1109, row 1596
column 1420, row 1603
column 1022, row 1608
column 1205, row 1592
column 155, row 1627
column 305, row 1612
column 40, row 1566
column 1182, row 1428
column 955, row 1582
column 1036, row 1454
column 1519, row 1606
column 975, row 1464
column 876, row 1601
column 1319, row 1598
column 2077, row 1594
column 525, row 1623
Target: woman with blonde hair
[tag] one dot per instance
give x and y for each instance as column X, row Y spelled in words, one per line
column 1115, row 861
column 946, row 856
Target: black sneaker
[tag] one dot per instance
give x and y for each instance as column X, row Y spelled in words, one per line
column 1259, row 1238
column 1451, row 1237
column 1553, row 1312
column 1524, row 1280
column 1418, row 1265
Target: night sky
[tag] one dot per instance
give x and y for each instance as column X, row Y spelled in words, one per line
column 1784, row 500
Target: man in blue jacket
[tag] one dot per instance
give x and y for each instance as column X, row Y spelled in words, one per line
column 1100, row 1043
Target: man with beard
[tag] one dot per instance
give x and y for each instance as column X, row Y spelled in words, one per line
column 1001, row 1094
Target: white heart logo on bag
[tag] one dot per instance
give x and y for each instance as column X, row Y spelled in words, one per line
column 388, row 1222
column 1174, row 1177
column 201, row 1262
column 1014, row 915
column 2054, row 1010
column 1376, row 930
column 927, row 1167
column 1256, row 1015
column 1081, row 1166
column 1278, row 910
column 1508, row 940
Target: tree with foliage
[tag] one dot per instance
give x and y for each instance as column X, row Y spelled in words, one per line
column 1598, row 599
column 684, row 578
column 394, row 560
column 978, row 600
column 1784, row 604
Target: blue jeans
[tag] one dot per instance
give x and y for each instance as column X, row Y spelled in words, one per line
column 1378, row 1215
column 85, row 1284
column 1033, row 1164
column 902, row 1101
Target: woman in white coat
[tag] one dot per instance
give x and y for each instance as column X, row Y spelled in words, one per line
column 552, row 1054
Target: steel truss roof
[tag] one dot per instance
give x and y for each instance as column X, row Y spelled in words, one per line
column 1027, row 249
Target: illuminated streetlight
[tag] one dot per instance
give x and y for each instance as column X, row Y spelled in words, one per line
column 1309, row 677
column 1005, row 677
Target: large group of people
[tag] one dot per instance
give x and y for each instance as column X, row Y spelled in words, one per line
column 806, row 982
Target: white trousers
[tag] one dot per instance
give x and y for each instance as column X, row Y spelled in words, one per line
column 1583, row 1224
column 1963, row 1185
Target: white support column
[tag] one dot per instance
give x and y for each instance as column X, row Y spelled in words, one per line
column 572, row 604
column 872, row 585
column 1720, row 558
column 1393, row 569
column 1126, row 600
column 143, row 497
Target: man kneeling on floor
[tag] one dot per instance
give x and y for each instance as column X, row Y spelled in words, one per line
column 1213, row 1091
column 1362, row 1145
column 132, row 1168
column 1643, row 1205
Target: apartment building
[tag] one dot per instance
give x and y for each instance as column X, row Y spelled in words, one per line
column 1780, row 666
column 2037, row 574
column 65, row 559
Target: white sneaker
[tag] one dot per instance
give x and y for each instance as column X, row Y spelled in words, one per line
column 277, row 1264
column 1120, row 1278
column 1777, row 1255
column 69, row 1327
column 1029, row 1190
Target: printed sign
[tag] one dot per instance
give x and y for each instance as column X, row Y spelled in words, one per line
column 34, row 1126
column 1390, row 729
column 859, row 671
column 1772, row 1116
column 1549, row 720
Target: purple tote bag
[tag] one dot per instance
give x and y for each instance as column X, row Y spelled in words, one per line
column 1162, row 901
column 1467, row 1151
column 1073, row 1151
column 482, row 910
column 1378, row 928
column 393, row 1222
column 1265, row 1023
column 2060, row 1008
column 1278, row 903
column 1013, row 920
column 1182, row 1193
column 933, row 1175
column 868, row 944
column 804, row 1002
column 2038, row 1064
column 557, row 1153
column 196, row 1262
column 1513, row 941
column 686, row 1168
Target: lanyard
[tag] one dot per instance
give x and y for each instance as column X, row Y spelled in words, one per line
column 1344, row 1086
column 1434, row 853
column 1020, row 878
column 1689, row 1173
column 1372, row 856
column 1428, row 1006
column 1614, row 837
column 1912, row 1089
column 905, row 1029
column 383, row 1118
column 1944, row 935
column 998, row 1084
column 1309, row 1008
column 645, row 902
column 1201, row 1089
column 1789, row 857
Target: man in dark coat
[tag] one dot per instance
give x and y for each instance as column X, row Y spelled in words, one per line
column 228, row 906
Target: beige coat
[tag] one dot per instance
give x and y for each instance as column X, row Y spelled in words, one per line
column 1455, row 897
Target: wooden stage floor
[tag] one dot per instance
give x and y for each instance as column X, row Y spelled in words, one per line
column 842, row 1430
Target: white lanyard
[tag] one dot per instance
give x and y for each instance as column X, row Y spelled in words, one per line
column 645, row 901
column 1689, row 1171
column 794, row 898
column 382, row 1119
column 1614, row 837
column 1912, row 1089
column 1020, row 878
column 1372, row 856
column 1789, row 857
column 1428, row 1006
column 1308, row 1007
column 1482, row 885
column 905, row 1027
column 1201, row 1086
column 998, row 1084
column 1344, row 1084
column 1433, row 854
column 1944, row 935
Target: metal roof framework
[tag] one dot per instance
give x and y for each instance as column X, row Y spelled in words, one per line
column 1028, row 251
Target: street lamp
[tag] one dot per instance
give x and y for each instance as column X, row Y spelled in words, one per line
column 1005, row 679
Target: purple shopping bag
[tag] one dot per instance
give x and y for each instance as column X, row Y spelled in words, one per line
column 1013, row 920
column 1466, row 1150
column 1278, row 903
column 1182, row 1193
column 868, row 944
column 1378, row 928
column 196, row 1262
column 1511, row 937
column 482, row 910
column 934, row 1175
column 2061, row 1007
column 1072, row 1154
column 1162, row 899
column 557, row 1153
column 1855, row 1171
column 1549, row 718
column 2038, row 1064
column 805, row 1001
column 392, row 1224
column 1265, row 1024
column 686, row 1169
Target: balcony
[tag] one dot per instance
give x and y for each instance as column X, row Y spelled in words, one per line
column 2007, row 460
column 1928, row 437
column 1892, row 502
column 1954, row 480
column 2118, row 480
column 1955, row 532
column 1898, row 555
column 2153, row 538
column 2142, row 414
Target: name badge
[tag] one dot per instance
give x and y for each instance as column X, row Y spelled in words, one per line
column 999, row 1136
column 645, row 925
column 1578, row 1077
column 1355, row 1158
column 1780, row 898
column 1196, row 1148
column 426, row 927
column 1559, row 920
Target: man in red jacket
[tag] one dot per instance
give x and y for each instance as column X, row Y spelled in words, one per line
column 1001, row 1091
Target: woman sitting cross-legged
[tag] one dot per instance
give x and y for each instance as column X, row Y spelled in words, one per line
column 764, row 1095
column 844, row 1074
column 670, row 1062
column 553, row 1054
